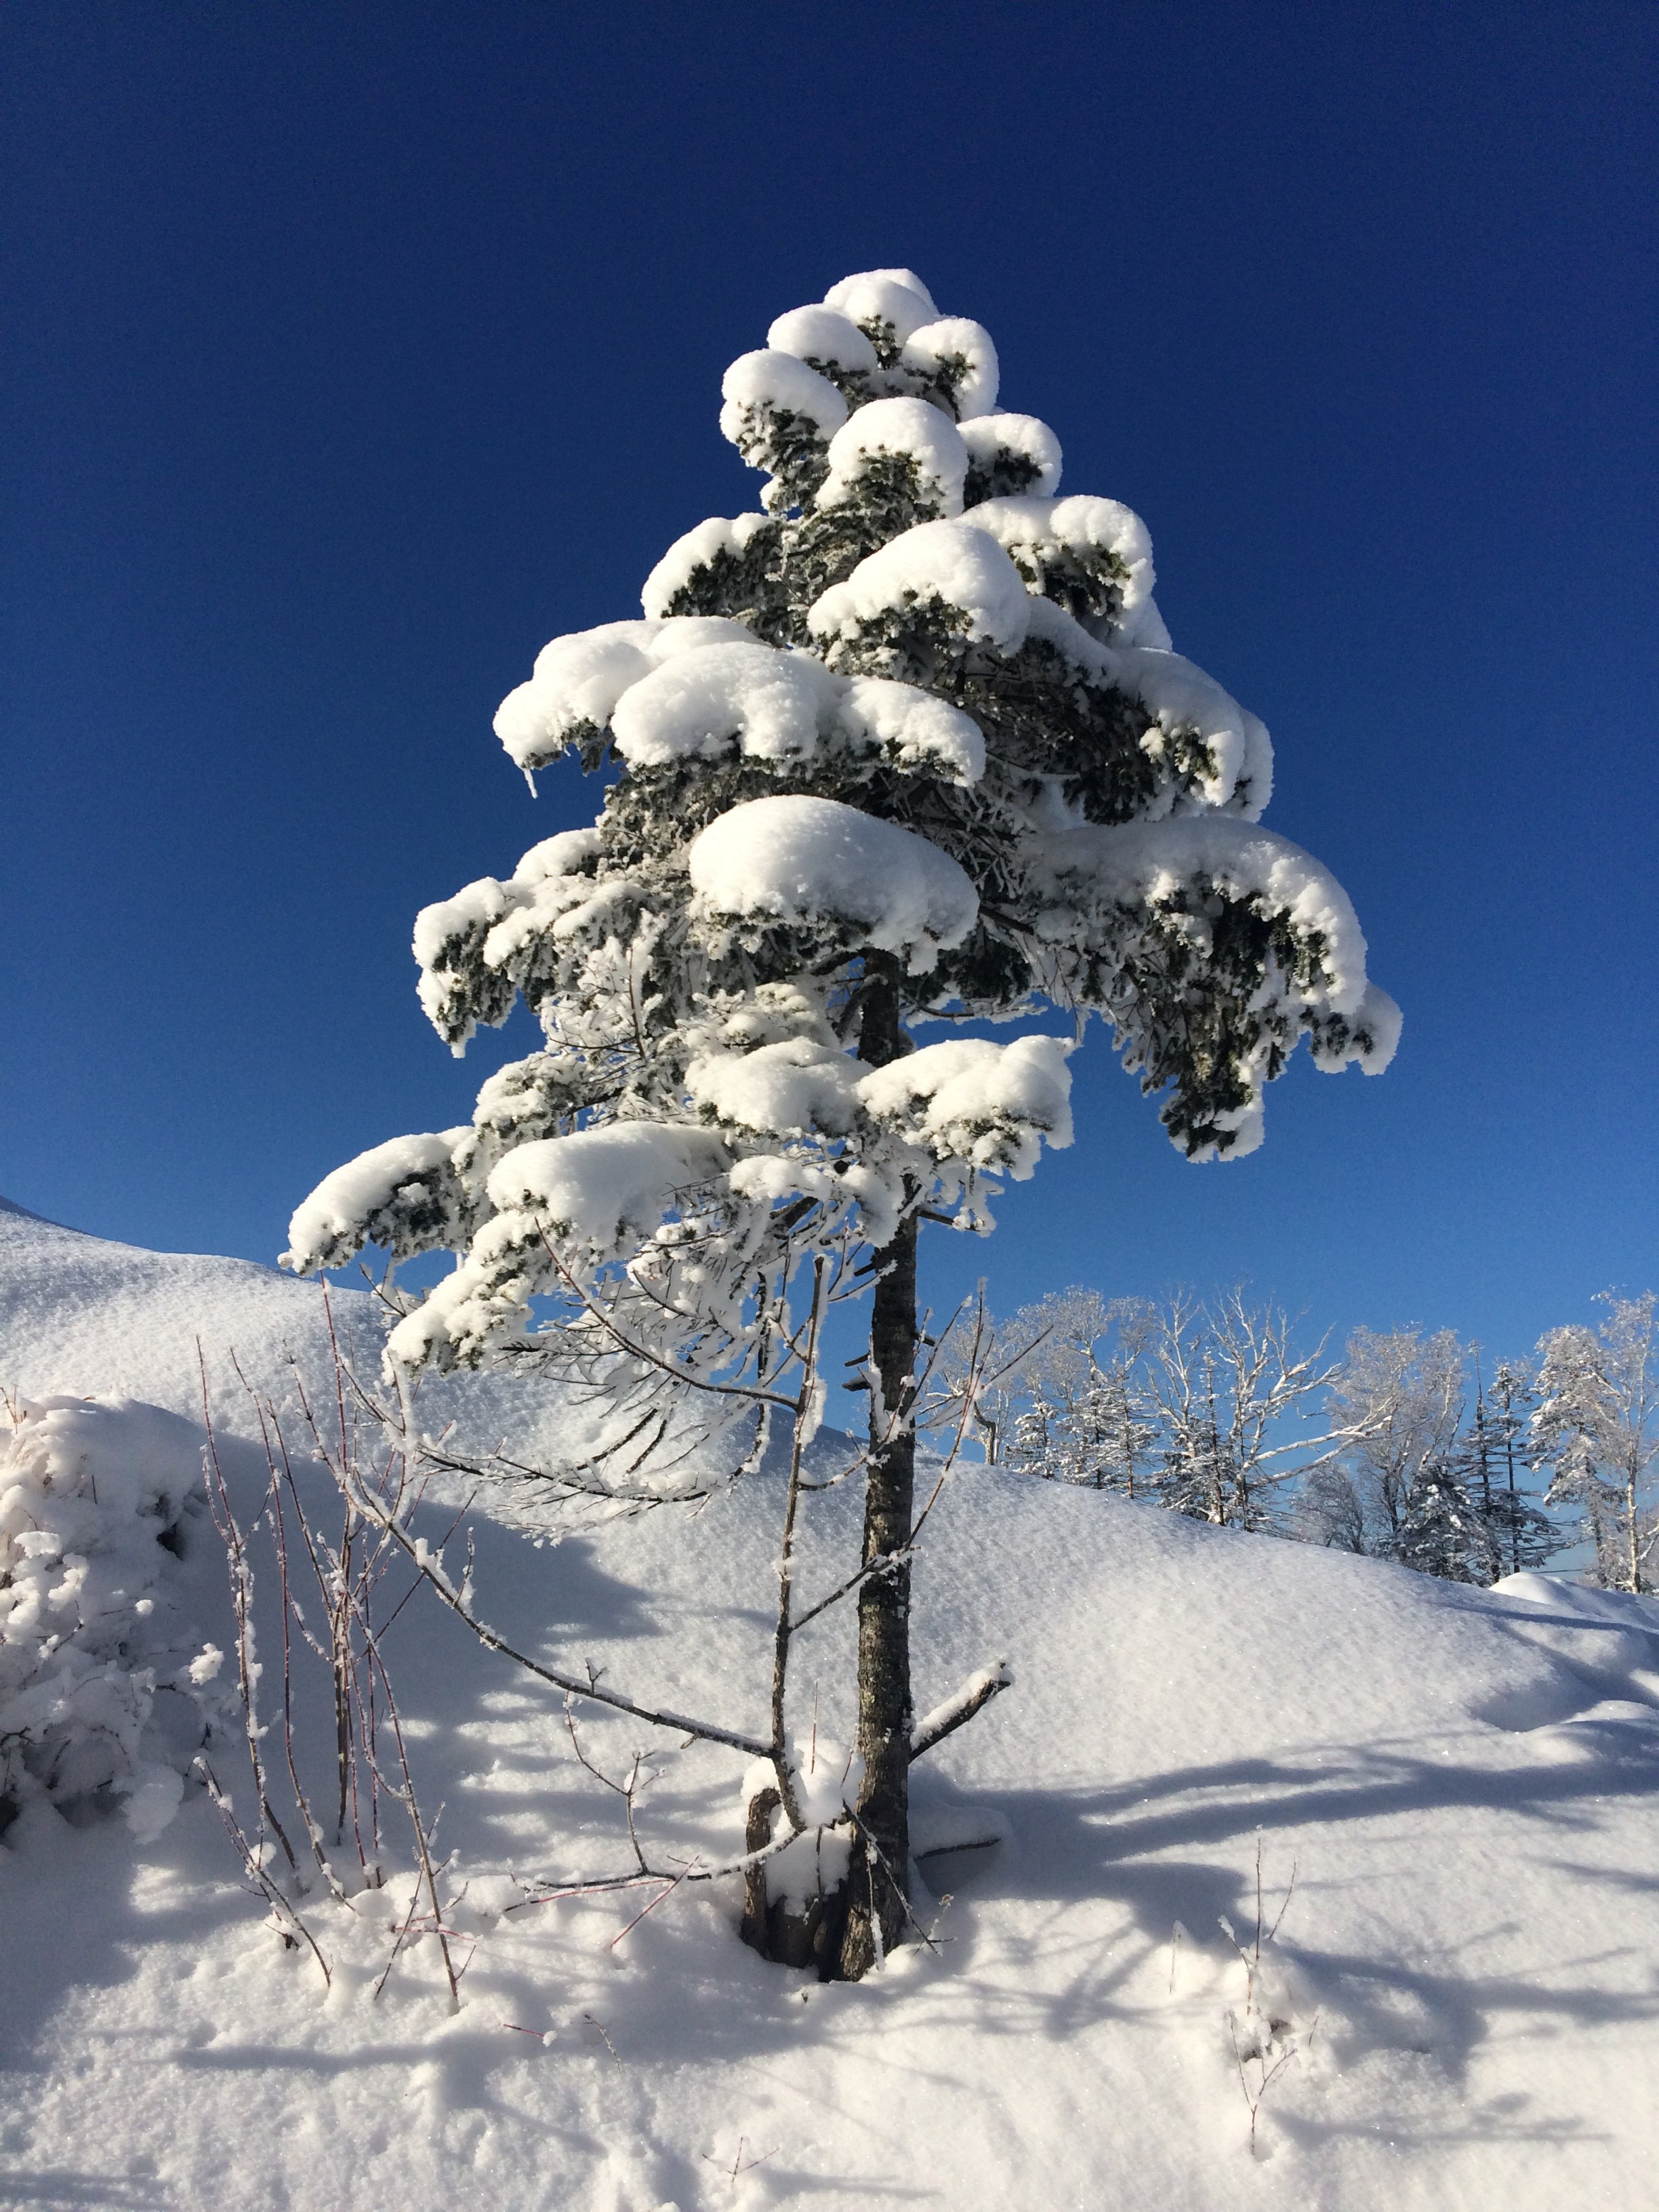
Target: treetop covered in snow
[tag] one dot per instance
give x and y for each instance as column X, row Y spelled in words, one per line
column 915, row 716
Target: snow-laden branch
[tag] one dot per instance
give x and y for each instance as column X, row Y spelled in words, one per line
column 960, row 1707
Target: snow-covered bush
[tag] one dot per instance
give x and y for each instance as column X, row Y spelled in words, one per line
column 908, row 742
column 98, row 1664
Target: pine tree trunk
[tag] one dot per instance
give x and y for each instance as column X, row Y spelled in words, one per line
column 878, row 1878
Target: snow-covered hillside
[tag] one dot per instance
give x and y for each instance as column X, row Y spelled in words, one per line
column 81, row 1314
column 1461, row 1782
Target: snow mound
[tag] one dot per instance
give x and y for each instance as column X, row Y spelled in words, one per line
column 97, row 1659
column 1392, row 1738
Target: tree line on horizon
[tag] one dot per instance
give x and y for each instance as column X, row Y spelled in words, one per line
column 1409, row 1446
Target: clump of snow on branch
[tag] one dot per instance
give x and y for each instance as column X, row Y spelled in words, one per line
column 770, row 703
column 1092, row 557
column 910, row 429
column 1301, row 970
column 886, row 304
column 954, row 357
column 1008, row 454
column 711, row 541
column 947, row 574
column 98, row 1669
column 985, row 1103
column 705, row 689
column 396, row 1194
column 825, row 340
column 795, row 859
column 578, row 680
column 1183, row 702
column 602, row 1186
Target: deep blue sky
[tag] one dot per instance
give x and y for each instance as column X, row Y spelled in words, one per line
column 356, row 351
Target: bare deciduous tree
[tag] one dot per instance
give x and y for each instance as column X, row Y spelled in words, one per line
column 1597, row 1427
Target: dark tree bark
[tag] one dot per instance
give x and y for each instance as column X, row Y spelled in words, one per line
column 877, row 1908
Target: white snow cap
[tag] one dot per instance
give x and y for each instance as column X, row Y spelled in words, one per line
column 602, row 1186
column 1038, row 533
column 970, row 1099
column 771, row 703
column 820, row 334
column 779, row 382
column 692, row 685
column 695, row 550
column 913, row 428
column 578, row 679
column 796, row 859
column 781, row 1090
column 961, row 352
column 913, row 728
column 898, row 297
column 952, row 564
column 990, row 435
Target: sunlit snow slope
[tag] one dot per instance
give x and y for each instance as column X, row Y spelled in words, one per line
column 1463, row 1783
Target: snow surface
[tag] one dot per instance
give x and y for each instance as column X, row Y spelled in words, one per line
column 85, row 1316
column 796, row 859
column 1463, row 1783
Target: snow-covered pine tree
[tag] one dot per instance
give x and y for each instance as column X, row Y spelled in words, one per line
column 906, row 743
column 1526, row 1537
column 1491, row 1456
column 1441, row 1531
